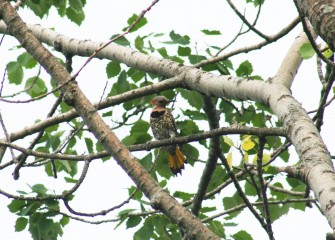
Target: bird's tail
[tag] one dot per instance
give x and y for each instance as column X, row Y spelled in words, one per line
column 176, row 161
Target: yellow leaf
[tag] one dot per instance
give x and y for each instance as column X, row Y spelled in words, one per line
column 328, row 53
column 266, row 158
column 228, row 141
column 248, row 143
column 245, row 157
column 230, row 159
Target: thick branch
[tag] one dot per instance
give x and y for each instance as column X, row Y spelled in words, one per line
column 321, row 15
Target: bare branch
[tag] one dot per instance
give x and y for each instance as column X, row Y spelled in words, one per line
column 263, row 187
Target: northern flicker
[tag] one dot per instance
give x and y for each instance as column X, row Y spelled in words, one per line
column 163, row 126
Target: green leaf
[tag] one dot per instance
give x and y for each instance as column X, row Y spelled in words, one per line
column 42, row 227
column 60, row 5
column 52, row 204
column 139, row 43
column 226, row 144
column 26, row 60
column 133, row 221
column 217, row 228
column 194, row 115
column 138, row 25
column 146, row 161
column 250, row 190
column 113, row 69
column 20, row 224
column 219, row 176
column 276, row 211
column 138, row 195
column 138, row 133
column 277, row 194
column 306, row 51
column 194, row 59
column 193, row 98
column 39, row 189
column 36, row 87
column 183, row 195
column 230, row 202
column 207, row 209
column 89, row 145
column 16, row 205
column 76, row 5
column 256, row 2
column 75, row 16
column 189, row 127
column 69, row 167
column 162, row 166
column 177, row 38
column 192, row 153
column 242, row 235
column 122, row 85
column 245, row 69
column 146, row 231
column 15, row 73
column 126, row 211
column 39, row 7
column 123, row 41
column 285, row 156
column 162, row 51
column 70, row 180
column 30, row 208
column 184, row 51
column 64, row 221
column 211, row 32
column 136, row 74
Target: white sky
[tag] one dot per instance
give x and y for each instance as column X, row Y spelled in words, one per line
column 101, row 188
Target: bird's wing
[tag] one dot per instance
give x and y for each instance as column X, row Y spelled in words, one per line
column 171, row 124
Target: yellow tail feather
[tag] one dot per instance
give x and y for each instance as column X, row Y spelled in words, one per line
column 176, row 161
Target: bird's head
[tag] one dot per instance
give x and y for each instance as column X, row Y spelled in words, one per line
column 160, row 101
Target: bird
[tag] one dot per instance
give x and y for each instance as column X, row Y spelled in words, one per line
column 163, row 126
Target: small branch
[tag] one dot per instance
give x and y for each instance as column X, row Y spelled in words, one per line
column 318, row 117
column 117, row 37
column 153, row 144
column 23, row 157
column 246, row 22
column 277, row 152
column 247, row 49
column 263, row 187
column 241, row 206
column 6, row 135
column 56, row 196
column 215, row 148
column 241, row 193
column 105, row 212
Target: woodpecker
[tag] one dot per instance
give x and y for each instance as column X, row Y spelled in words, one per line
column 163, row 126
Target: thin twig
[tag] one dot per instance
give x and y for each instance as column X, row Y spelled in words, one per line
column 246, row 22
column 241, row 193
column 6, row 135
column 117, row 37
column 263, row 187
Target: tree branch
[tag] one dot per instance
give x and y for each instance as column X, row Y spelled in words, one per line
column 263, row 187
